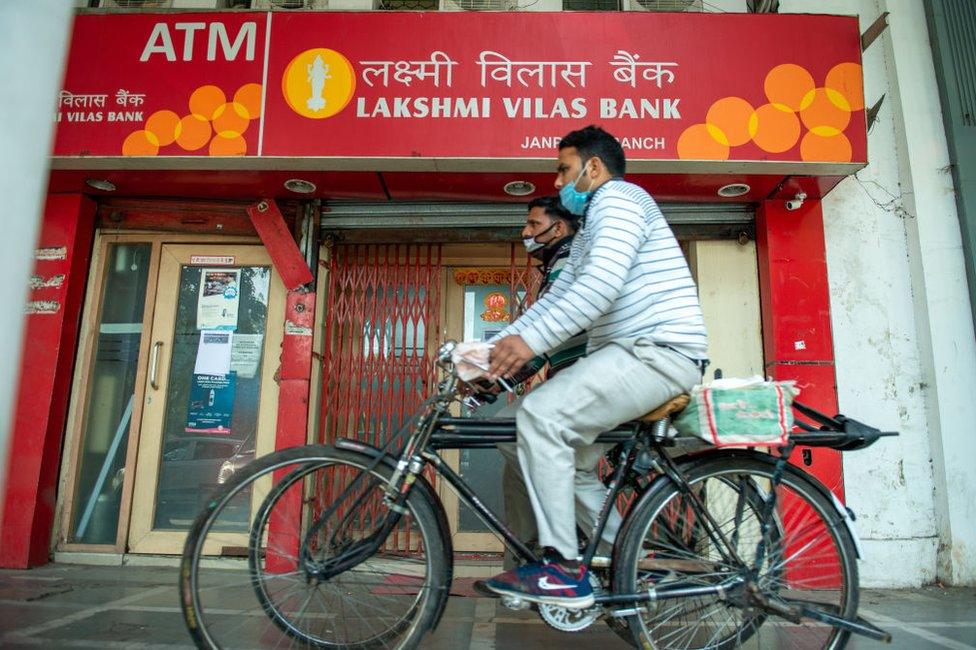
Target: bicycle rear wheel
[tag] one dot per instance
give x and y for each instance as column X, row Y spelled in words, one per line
column 261, row 584
column 809, row 559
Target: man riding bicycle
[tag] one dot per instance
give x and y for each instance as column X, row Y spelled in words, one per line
column 627, row 283
column 548, row 236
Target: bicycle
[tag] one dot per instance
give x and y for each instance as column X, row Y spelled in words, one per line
column 350, row 547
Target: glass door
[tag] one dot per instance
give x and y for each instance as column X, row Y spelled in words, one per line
column 210, row 396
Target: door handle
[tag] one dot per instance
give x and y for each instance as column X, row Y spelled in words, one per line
column 154, row 365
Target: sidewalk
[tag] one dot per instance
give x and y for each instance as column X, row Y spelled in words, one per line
column 71, row 606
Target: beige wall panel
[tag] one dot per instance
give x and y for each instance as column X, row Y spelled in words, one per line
column 728, row 285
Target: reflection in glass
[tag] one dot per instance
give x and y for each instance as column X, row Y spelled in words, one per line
column 486, row 313
column 194, row 463
column 109, row 401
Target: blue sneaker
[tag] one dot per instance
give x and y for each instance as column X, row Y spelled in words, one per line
column 546, row 582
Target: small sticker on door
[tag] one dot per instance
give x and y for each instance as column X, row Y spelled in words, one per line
column 293, row 329
column 213, row 260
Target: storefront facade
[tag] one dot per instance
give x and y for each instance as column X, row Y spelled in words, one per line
column 259, row 225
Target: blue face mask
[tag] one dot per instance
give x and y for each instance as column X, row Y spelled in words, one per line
column 574, row 200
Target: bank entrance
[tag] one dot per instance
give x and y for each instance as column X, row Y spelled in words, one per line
column 176, row 381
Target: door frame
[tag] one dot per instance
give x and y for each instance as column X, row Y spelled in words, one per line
column 80, row 385
column 143, row 538
column 496, row 256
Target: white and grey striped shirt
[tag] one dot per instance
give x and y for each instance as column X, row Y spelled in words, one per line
column 626, row 278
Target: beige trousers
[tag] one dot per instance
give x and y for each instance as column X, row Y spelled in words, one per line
column 558, row 421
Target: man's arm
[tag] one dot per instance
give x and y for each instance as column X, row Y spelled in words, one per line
column 618, row 230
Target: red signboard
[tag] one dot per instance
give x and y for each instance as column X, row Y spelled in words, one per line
column 341, row 86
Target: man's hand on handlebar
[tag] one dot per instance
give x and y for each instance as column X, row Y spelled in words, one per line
column 479, row 387
column 508, row 356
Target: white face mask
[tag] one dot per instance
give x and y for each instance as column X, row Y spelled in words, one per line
column 532, row 244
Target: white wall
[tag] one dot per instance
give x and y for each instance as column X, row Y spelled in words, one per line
column 33, row 39
column 903, row 336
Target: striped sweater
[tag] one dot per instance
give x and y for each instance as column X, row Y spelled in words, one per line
column 626, row 278
column 567, row 353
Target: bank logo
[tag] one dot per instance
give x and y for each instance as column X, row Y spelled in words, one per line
column 318, row 83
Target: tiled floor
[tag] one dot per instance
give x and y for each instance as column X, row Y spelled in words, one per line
column 70, row 606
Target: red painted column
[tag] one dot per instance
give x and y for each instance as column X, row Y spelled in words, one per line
column 296, row 349
column 50, row 342
column 797, row 339
column 294, row 373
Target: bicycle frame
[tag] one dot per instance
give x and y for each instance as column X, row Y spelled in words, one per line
column 436, row 430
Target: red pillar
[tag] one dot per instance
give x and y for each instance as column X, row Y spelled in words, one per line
column 294, row 374
column 50, row 343
column 797, row 339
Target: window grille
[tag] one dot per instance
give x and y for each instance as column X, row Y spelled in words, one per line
column 483, row 5
column 666, row 5
column 133, row 4
column 408, row 5
column 592, row 5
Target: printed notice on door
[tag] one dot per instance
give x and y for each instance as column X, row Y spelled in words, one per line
column 211, row 405
column 245, row 356
column 214, row 353
column 220, row 297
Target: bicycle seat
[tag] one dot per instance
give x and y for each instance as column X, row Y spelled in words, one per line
column 672, row 406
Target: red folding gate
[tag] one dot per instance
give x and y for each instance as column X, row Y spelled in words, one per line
column 382, row 324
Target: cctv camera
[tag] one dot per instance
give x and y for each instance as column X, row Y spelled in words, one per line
column 796, row 201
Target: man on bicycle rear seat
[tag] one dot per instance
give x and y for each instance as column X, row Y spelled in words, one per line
column 626, row 282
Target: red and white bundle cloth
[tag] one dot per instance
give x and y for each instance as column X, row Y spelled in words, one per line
column 742, row 412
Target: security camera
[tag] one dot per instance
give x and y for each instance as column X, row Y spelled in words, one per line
column 796, row 201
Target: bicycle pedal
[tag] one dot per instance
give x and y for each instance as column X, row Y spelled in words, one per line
column 512, row 602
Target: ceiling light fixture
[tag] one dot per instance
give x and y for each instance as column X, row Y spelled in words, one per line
column 733, row 190
column 299, row 186
column 100, row 184
column 519, row 188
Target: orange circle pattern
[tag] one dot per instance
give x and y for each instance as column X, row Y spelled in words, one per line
column 788, row 84
column 233, row 145
column 825, row 112
column 845, row 79
column 193, row 133
column 698, row 142
column 163, row 125
column 205, row 100
column 796, row 104
column 834, row 148
column 731, row 116
column 231, row 119
column 212, row 119
column 140, row 143
column 775, row 130
column 249, row 96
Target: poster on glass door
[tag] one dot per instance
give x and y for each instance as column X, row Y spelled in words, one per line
column 220, row 297
column 211, row 404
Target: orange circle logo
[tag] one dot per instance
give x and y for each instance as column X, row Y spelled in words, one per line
column 318, row 83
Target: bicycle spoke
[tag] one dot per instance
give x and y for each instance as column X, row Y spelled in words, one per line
column 803, row 559
column 278, row 596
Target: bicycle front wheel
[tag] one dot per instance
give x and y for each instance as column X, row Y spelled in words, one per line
column 263, row 581
column 807, row 558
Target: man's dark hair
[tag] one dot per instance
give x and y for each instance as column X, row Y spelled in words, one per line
column 593, row 141
column 553, row 207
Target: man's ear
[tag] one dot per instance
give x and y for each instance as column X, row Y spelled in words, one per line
column 597, row 166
